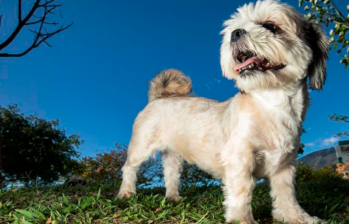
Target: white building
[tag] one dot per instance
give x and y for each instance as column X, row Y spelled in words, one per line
column 342, row 151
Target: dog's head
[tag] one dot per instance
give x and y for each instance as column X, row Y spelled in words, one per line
column 270, row 45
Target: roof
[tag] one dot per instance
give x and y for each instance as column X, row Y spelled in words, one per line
column 343, row 142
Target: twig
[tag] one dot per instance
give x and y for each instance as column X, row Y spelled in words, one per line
column 19, row 27
column 36, row 43
column 338, row 12
column 46, row 3
column 19, row 10
column 41, row 34
column 0, row 20
column 341, row 24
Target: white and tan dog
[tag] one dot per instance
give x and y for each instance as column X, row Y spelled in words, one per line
column 270, row 51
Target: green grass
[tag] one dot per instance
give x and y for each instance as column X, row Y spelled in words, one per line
column 325, row 197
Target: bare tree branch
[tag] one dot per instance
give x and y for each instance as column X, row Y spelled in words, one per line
column 347, row 26
column 42, row 34
column 47, row 3
column 47, row 43
column 339, row 12
column 19, row 27
column 37, row 41
column 0, row 20
column 39, row 21
column 19, row 11
column 49, row 11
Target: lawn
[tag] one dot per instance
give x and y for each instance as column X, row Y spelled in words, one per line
column 320, row 194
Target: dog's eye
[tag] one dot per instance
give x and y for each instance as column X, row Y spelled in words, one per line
column 270, row 26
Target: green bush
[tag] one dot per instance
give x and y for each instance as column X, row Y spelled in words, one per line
column 34, row 149
column 106, row 167
column 306, row 174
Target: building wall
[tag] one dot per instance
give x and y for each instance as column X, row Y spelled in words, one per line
column 342, row 151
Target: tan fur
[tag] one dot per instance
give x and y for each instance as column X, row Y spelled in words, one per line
column 169, row 83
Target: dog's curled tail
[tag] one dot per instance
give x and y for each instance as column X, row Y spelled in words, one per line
column 169, row 83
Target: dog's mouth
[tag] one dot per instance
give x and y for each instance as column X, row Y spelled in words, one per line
column 250, row 61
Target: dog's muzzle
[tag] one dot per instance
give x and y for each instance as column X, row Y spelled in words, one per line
column 237, row 34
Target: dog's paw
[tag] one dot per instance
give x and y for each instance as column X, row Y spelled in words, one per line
column 313, row 220
column 248, row 222
column 243, row 221
column 303, row 218
column 175, row 198
column 124, row 194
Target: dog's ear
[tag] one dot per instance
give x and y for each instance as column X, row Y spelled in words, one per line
column 319, row 45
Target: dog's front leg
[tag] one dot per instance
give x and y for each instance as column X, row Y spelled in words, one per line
column 238, row 184
column 286, row 207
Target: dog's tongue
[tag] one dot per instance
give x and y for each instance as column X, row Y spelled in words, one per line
column 256, row 60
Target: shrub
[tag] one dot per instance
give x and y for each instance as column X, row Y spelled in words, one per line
column 34, row 148
column 306, row 174
column 106, row 167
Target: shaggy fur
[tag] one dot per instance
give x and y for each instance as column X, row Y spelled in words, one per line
column 169, row 83
column 255, row 134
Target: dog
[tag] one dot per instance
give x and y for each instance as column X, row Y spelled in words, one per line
column 271, row 52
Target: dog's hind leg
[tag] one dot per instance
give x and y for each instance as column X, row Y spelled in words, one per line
column 138, row 152
column 172, row 164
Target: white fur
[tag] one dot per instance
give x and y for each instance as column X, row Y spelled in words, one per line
column 253, row 135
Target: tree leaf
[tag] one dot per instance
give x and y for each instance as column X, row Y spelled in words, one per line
column 300, row 3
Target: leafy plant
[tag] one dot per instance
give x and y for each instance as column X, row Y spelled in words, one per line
column 327, row 13
column 340, row 118
column 107, row 166
column 193, row 176
column 306, row 174
column 35, row 149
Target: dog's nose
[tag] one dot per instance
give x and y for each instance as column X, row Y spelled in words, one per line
column 236, row 34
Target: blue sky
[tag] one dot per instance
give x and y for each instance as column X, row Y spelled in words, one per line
column 95, row 77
